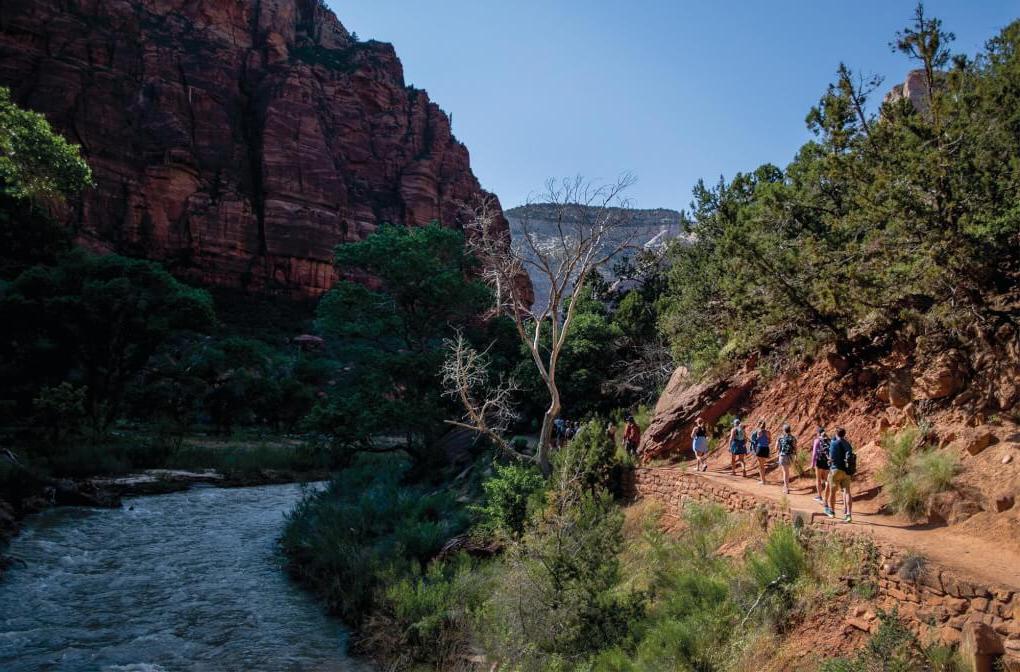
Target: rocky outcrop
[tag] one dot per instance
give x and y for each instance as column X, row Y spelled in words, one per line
column 682, row 403
column 237, row 142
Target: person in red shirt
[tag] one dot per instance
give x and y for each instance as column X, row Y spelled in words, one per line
column 631, row 436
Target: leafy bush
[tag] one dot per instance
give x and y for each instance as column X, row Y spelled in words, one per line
column 914, row 472
column 425, row 616
column 364, row 528
column 507, row 497
column 587, row 460
column 558, row 598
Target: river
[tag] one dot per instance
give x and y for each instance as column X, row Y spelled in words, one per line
column 186, row 581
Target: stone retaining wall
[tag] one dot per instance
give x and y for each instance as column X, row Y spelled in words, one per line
column 983, row 620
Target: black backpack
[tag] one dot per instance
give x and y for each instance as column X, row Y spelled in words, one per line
column 851, row 459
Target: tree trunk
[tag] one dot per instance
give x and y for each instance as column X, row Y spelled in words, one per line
column 545, row 437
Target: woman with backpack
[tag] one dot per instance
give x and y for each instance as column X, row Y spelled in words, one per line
column 699, row 444
column 820, row 461
column 738, row 447
column 786, row 446
column 760, row 440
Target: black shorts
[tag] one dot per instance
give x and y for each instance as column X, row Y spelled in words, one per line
column 821, row 463
column 761, row 451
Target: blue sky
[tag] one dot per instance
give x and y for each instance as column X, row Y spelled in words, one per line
column 669, row 90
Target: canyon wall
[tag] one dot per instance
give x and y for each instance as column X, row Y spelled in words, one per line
column 236, row 141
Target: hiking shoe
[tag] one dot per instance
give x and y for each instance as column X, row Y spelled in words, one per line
column 829, row 512
column 819, row 499
column 847, row 519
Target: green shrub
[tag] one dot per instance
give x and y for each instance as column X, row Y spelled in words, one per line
column 344, row 541
column 427, row 614
column 774, row 571
column 587, row 460
column 914, row 472
column 558, row 596
column 507, row 496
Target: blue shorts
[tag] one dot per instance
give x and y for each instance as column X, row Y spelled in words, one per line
column 700, row 445
column 738, row 448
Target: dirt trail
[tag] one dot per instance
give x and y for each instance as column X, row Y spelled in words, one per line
column 998, row 564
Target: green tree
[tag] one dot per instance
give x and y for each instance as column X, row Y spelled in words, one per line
column 35, row 162
column 416, row 290
column 38, row 169
column 94, row 321
column 877, row 216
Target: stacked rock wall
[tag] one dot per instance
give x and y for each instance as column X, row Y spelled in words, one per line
column 934, row 601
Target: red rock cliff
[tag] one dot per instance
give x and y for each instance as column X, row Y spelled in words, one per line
column 237, row 141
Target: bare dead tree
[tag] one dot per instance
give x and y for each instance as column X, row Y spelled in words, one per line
column 488, row 409
column 582, row 220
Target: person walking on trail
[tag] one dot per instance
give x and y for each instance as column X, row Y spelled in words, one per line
column 786, row 446
column 760, row 440
column 820, row 461
column 699, row 444
column 738, row 447
column 631, row 436
column 611, row 434
column 559, row 430
column 841, row 470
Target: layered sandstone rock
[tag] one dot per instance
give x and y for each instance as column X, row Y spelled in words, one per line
column 683, row 402
column 236, row 141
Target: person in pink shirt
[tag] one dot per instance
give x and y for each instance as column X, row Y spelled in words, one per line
column 820, row 461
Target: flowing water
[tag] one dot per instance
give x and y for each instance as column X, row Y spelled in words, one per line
column 186, row 581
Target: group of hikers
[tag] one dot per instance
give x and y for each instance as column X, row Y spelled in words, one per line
column 564, row 431
column 833, row 459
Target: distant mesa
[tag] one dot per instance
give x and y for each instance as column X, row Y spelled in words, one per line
column 650, row 229
column 236, row 142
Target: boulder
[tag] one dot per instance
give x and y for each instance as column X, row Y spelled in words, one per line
column 940, row 378
column 899, row 385
column 973, row 440
column 682, row 403
column 837, row 363
column 940, row 506
column 962, row 510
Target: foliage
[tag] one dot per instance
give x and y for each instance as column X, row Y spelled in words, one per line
column 914, row 472
column 393, row 332
column 95, row 322
column 35, row 162
column 559, row 597
column 367, row 529
column 427, row 615
column 587, row 460
column 877, row 214
column 508, row 495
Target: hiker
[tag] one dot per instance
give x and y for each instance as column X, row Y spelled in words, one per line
column 631, row 436
column 820, row 461
column 842, row 465
column 611, row 433
column 760, row 444
column 571, row 429
column 699, row 444
column 738, row 447
column 786, row 446
column 559, row 430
